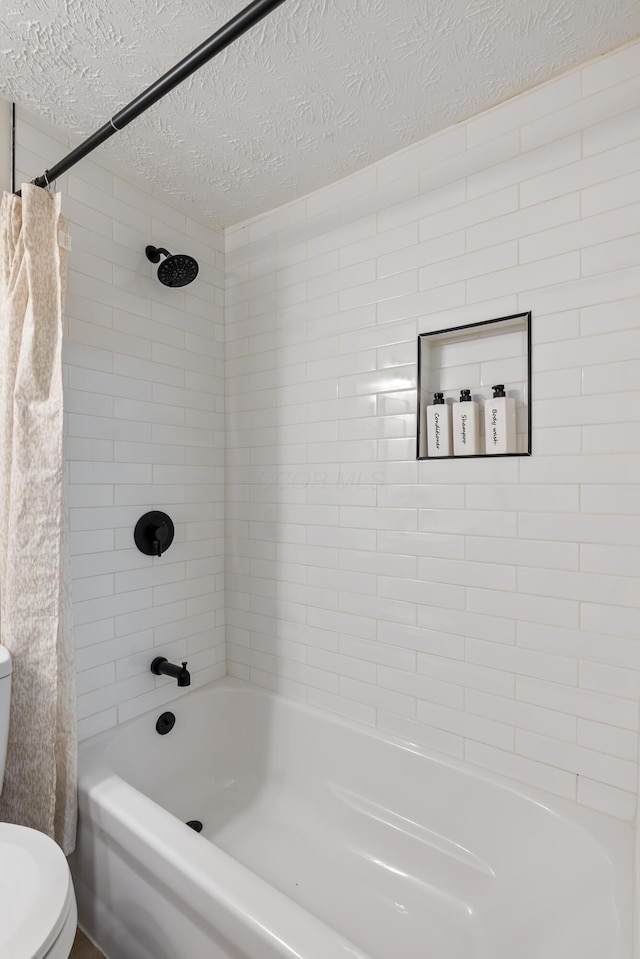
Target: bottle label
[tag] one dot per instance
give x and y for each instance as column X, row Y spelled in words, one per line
column 463, row 428
column 436, row 428
column 494, row 426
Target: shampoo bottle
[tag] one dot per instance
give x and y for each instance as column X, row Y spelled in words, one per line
column 500, row 422
column 438, row 427
column 465, row 426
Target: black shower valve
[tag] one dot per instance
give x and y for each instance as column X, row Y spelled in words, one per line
column 154, row 533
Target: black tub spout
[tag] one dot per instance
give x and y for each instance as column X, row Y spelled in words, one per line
column 162, row 667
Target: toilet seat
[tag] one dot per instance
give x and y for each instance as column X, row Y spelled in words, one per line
column 37, row 900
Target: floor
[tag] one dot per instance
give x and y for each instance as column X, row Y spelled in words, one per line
column 84, row 949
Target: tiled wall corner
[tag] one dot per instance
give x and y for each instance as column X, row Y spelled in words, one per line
column 489, row 609
column 144, row 399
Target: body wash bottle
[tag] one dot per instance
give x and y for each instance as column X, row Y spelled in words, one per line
column 465, row 426
column 438, row 427
column 500, row 422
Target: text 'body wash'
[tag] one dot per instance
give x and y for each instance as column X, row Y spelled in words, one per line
column 500, row 422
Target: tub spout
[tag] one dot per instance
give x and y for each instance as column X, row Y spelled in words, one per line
column 162, row 667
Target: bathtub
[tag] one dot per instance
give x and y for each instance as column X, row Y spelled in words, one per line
column 322, row 839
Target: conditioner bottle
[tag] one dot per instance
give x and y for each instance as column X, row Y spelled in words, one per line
column 465, row 426
column 500, row 422
column 438, row 427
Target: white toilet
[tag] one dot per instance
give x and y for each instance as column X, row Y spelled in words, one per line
column 38, row 914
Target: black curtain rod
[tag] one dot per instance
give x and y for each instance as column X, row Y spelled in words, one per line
column 233, row 29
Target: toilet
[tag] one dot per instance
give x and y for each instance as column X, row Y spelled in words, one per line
column 38, row 914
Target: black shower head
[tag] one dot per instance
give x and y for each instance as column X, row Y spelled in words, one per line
column 176, row 270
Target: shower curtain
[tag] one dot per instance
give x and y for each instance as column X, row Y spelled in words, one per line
column 35, row 619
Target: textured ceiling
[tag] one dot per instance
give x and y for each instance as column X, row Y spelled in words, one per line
column 316, row 91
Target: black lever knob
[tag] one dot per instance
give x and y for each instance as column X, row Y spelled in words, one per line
column 162, row 532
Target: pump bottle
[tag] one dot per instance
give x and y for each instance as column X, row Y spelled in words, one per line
column 438, row 427
column 466, row 416
column 500, row 422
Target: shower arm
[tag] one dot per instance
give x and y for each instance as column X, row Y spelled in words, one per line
column 221, row 39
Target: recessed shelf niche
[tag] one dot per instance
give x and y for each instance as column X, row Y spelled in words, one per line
column 476, row 357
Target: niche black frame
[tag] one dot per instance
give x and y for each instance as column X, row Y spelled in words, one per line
column 526, row 317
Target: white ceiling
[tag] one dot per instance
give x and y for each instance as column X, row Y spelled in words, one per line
column 316, row 91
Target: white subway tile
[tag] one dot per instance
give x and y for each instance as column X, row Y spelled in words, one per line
column 484, row 212
column 615, row 590
column 611, row 194
column 534, row 773
column 470, row 265
column 444, row 197
column 427, row 153
column 607, row 71
column 543, row 273
column 97, row 723
column 419, row 254
column 614, row 680
column 385, row 289
column 578, row 702
column 580, row 115
column 475, row 163
column 421, row 687
column 580, row 174
column 360, row 712
column 362, row 182
column 613, row 131
column 467, row 522
column 535, row 609
column 585, row 762
column 613, row 255
column 522, row 552
column 581, row 644
column 378, row 697
column 539, row 102
column 612, row 560
column 464, row 724
column 586, row 232
column 343, row 237
column 530, row 164
column 522, row 224
column 558, row 669
column 388, row 241
column 607, row 739
column 607, row 799
column 470, row 675
column 549, row 722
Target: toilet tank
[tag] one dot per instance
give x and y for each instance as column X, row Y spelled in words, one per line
column 5, row 698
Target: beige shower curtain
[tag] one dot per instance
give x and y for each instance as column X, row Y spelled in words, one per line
column 35, row 621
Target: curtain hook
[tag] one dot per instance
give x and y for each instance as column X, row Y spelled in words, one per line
column 44, row 176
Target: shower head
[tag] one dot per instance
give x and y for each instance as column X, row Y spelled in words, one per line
column 177, row 270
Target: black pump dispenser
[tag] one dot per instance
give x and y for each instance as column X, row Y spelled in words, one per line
column 438, row 399
column 498, row 390
column 465, row 396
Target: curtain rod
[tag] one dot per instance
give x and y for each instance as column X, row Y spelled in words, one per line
column 233, row 29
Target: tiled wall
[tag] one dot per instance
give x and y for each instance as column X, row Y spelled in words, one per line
column 486, row 608
column 145, row 430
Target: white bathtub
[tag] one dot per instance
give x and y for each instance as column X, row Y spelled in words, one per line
column 323, row 840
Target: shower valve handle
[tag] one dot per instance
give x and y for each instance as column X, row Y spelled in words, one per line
column 160, row 536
